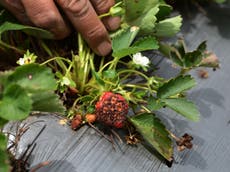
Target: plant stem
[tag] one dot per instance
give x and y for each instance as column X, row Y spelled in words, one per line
column 138, row 86
column 184, row 71
column 104, row 15
column 133, row 71
column 106, row 65
column 3, row 44
column 114, row 63
column 55, row 58
column 46, row 48
column 146, row 109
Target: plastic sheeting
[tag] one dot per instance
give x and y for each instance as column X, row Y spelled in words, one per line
column 87, row 151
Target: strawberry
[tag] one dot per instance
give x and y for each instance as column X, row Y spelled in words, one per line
column 111, row 109
column 76, row 122
column 91, row 118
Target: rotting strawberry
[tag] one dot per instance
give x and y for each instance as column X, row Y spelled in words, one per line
column 76, row 122
column 111, row 109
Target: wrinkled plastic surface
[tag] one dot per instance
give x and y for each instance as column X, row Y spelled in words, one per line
column 85, row 150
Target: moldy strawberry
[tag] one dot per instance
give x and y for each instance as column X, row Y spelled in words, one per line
column 111, row 109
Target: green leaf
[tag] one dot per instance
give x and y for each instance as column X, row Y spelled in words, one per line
column 141, row 14
column 98, row 78
column 136, row 9
column 139, row 94
column 110, row 74
column 34, row 31
column 176, row 57
column 173, row 52
column 164, row 11
column 147, row 42
column 33, row 77
column 180, row 47
column 154, row 132
column 4, row 76
column 168, row 27
column 3, row 142
column 175, row 86
column 124, row 39
column 15, row 104
column 87, row 98
column 146, row 21
column 4, row 161
column 154, row 104
column 2, row 122
column 183, row 107
column 165, row 49
column 143, row 44
column 192, row 59
column 47, row 102
column 202, row 47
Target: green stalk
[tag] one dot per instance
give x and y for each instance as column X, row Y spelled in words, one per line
column 146, row 109
column 114, row 63
column 184, row 71
column 104, row 15
column 137, row 86
column 55, row 58
column 82, row 66
column 133, row 71
column 3, row 44
column 46, row 48
column 106, row 65
column 86, row 68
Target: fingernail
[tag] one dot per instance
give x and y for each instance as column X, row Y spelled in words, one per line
column 113, row 23
column 104, row 48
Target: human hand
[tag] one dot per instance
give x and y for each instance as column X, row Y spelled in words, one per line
column 82, row 14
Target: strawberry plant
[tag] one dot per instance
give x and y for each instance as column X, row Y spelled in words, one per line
column 28, row 88
column 116, row 91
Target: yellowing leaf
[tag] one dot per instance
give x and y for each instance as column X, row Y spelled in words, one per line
column 154, row 132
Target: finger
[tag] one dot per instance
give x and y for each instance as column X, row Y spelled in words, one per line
column 85, row 20
column 17, row 9
column 103, row 6
column 44, row 14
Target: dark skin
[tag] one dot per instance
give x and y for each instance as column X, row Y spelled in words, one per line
column 81, row 14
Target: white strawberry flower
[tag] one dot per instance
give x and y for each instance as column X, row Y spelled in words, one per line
column 21, row 61
column 27, row 58
column 141, row 60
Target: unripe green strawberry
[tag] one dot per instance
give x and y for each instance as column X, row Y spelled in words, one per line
column 111, row 109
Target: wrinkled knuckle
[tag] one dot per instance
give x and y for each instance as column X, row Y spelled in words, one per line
column 96, row 32
column 77, row 7
column 103, row 6
column 46, row 19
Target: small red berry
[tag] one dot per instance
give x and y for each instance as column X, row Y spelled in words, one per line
column 91, row 118
column 76, row 122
